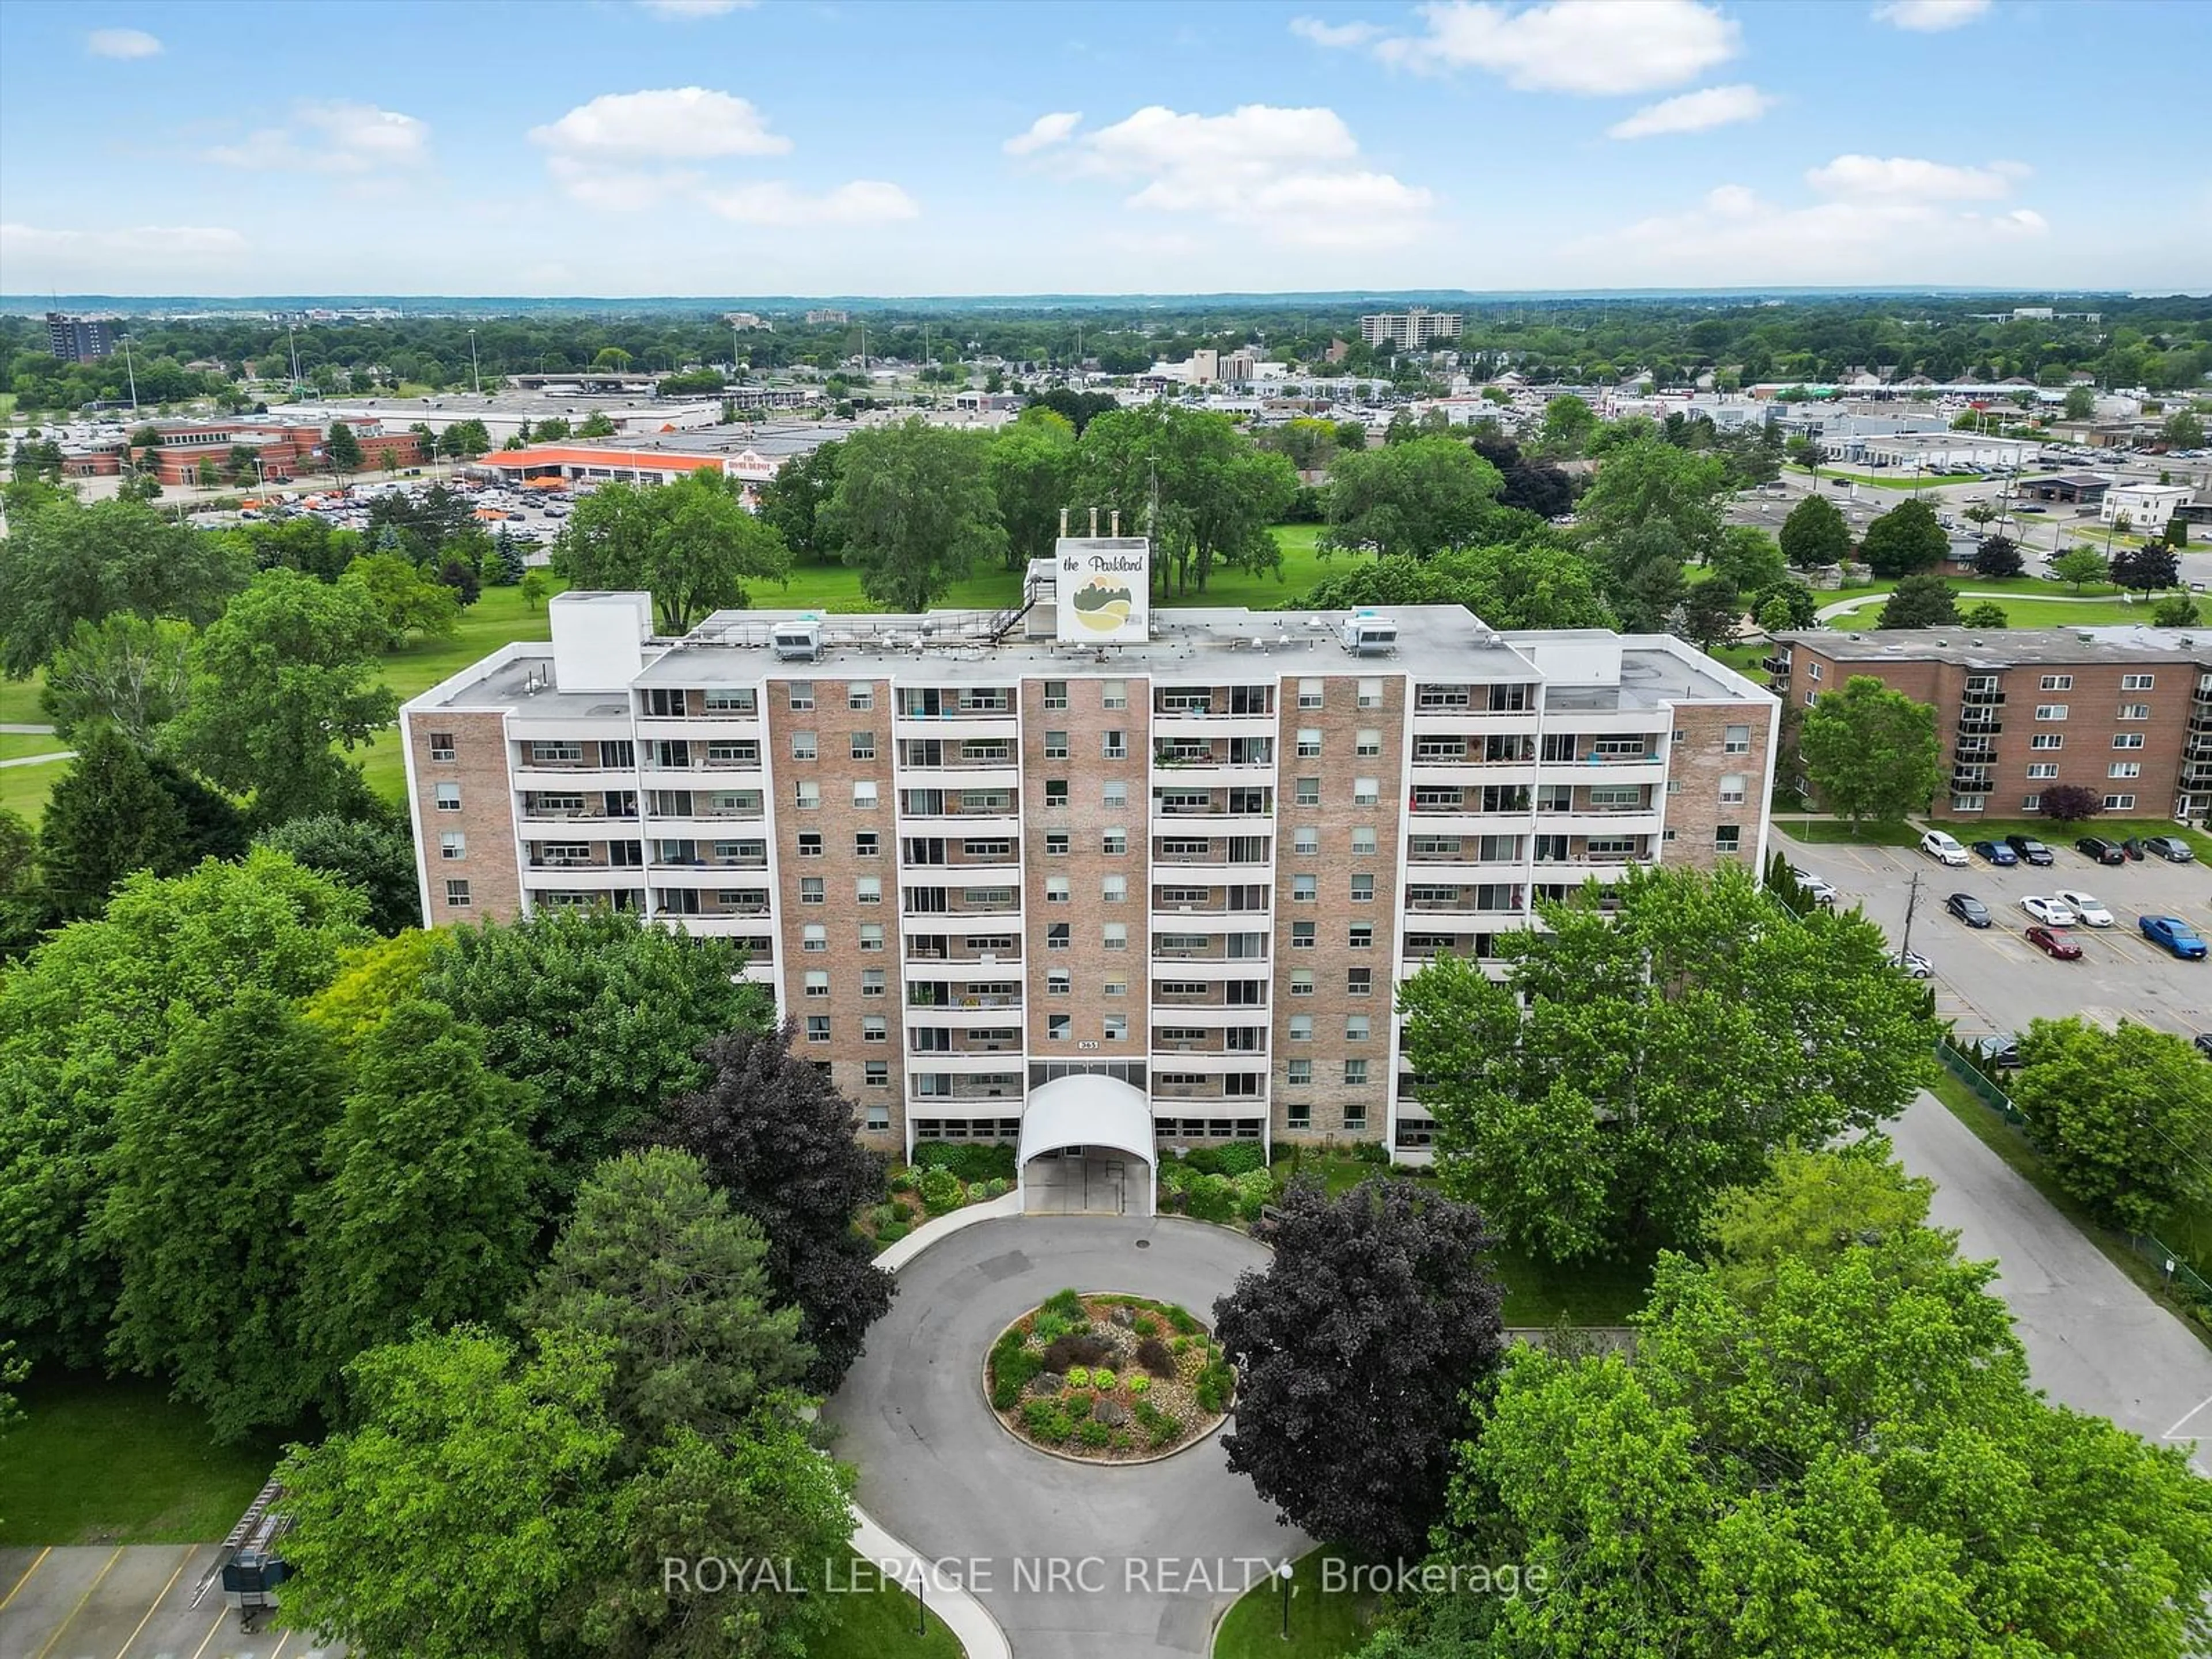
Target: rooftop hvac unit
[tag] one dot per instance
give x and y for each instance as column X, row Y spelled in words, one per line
column 1366, row 634
column 797, row 641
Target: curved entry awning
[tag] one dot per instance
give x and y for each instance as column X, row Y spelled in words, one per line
column 1088, row 1111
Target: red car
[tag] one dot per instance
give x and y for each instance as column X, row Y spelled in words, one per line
column 2053, row 942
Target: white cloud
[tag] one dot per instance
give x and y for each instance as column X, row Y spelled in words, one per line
column 863, row 202
column 677, row 123
column 1873, row 178
column 112, row 260
column 1043, row 133
column 1929, row 16
column 1594, row 47
column 122, row 43
column 688, row 11
column 1695, row 112
column 1333, row 34
column 338, row 137
column 1294, row 175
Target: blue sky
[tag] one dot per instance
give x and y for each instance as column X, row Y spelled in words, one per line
column 657, row 147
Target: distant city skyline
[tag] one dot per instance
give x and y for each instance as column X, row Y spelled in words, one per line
column 670, row 148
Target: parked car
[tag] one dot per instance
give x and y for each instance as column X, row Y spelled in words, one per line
column 2051, row 912
column 1943, row 847
column 2085, row 907
column 2172, row 848
column 1997, row 852
column 1968, row 909
column 2054, row 944
column 2173, row 934
column 2103, row 851
column 1915, row 965
column 2031, row 851
column 2002, row 1049
column 2133, row 847
column 2204, row 1044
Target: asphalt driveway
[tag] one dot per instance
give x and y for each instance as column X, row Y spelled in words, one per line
column 1153, row 1552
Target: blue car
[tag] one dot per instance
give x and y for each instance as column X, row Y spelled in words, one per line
column 2172, row 934
column 1997, row 852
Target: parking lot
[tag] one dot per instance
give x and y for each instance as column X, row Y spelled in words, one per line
column 98, row 1601
column 1990, row 980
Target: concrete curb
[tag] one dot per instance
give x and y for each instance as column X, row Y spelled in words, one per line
column 968, row 1620
column 894, row 1256
column 983, row 1377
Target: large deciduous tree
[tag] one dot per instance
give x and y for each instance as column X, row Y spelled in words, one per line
column 1194, row 482
column 374, row 853
column 108, row 816
column 1420, row 498
column 1569, row 424
column 1997, row 557
column 2146, row 569
column 1905, row 539
column 1355, row 1350
column 790, row 503
column 691, row 544
column 1814, row 1205
column 1814, row 534
column 413, row 605
column 1031, row 469
column 1632, row 1063
column 913, row 511
column 2124, row 1118
column 286, row 669
column 1924, row 599
column 1650, row 482
column 1870, row 752
column 778, row 1139
column 1532, row 584
column 604, row 1019
column 126, row 671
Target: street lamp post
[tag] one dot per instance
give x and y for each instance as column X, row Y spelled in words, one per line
column 476, row 380
column 922, row 1598
column 1283, row 1573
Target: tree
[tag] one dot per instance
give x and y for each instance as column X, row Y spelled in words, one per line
column 537, row 587
column 125, row 670
column 427, row 1212
column 1645, row 574
column 1194, row 482
column 25, row 910
column 1813, row 1206
column 913, row 510
column 1031, row 471
column 2079, row 566
column 2146, row 569
column 408, row 602
column 63, row 563
column 108, row 816
column 690, row 544
column 342, row 449
column 374, row 854
column 2183, row 430
column 603, row 1017
column 505, row 566
column 1858, row 1457
column 1923, row 600
column 1984, row 614
column 1870, row 751
column 1533, row 585
column 654, row 1262
column 790, row 503
column 1568, row 423
column 2080, row 402
column 2123, row 1117
column 214, row 1152
column 1903, row 540
column 1814, row 535
column 777, row 1138
column 2071, row 803
column 1805, row 452
column 1748, row 556
column 596, row 425
column 2179, row 612
column 1711, row 613
column 1651, row 483
column 1420, row 498
column 1355, row 1349
column 1997, row 557
column 1636, row 1061
column 285, row 670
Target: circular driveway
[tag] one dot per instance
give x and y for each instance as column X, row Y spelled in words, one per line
column 1152, row 1553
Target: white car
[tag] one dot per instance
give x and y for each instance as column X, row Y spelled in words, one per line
column 1943, row 847
column 2086, row 907
column 1915, row 966
column 1815, row 889
column 2048, row 911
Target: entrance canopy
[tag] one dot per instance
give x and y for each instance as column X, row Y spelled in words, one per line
column 1088, row 1111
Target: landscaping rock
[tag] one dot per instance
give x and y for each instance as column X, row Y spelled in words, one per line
column 1047, row 1382
column 1112, row 1413
column 1122, row 1317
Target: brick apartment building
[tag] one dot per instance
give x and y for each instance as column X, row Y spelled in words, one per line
column 1183, row 857
column 285, row 449
column 2126, row 712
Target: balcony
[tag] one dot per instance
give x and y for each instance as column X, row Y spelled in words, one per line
column 1210, row 1088
column 956, row 1086
column 1007, row 1042
column 1981, row 723
column 1972, row 699
column 936, row 951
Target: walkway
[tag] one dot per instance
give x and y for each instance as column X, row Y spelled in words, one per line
column 1154, row 1552
column 1845, row 607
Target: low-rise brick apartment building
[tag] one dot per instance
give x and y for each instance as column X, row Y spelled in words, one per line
column 2126, row 712
column 284, row 448
column 975, row 854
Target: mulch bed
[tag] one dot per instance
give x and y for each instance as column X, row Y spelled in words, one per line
column 1109, row 1378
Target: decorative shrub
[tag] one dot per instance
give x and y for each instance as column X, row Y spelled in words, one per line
column 900, row 1180
column 1255, row 1190
column 1144, row 1325
column 1370, row 1151
column 973, row 1162
column 883, row 1215
column 1240, row 1157
column 1065, row 1305
column 1080, row 1348
column 1048, row 1328
column 1078, row 1402
column 1211, row 1198
column 1140, row 1385
column 1214, row 1386
column 1152, row 1354
column 1094, row 1434
column 1174, row 1178
column 1182, row 1320
column 1103, row 1380
column 941, row 1191
column 1160, row 1427
column 1122, row 1440
column 1079, row 1377
column 1047, row 1420
column 891, row 1231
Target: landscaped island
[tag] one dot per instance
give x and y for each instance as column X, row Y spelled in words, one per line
column 1114, row 1379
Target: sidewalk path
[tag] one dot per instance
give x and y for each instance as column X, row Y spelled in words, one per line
column 1845, row 607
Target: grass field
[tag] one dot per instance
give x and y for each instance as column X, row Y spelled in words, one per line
column 1819, row 832
column 1323, row 1625
column 878, row 1624
column 19, row 700
column 100, row 1462
column 22, row 745
column 24, row 789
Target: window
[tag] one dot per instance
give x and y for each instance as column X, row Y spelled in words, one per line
column 2127, row 682
column 728, row 700
column 2051, row 711
column 1055, row 890
column 2056, row 683
column 457, row 894
column 1059, row 1027
column 2043, row 769
column 1055, row 936
column 1355, row 1070
column 2047, row 740
column 1058, row 982
column 871, row 981
column 863, row 745
column 802, row 746
column 1301, row 1071
column 1302, row 935
column 1055, row 844
column 1365, row 792
column 2135, row 711
column 1113, row 889
column 1055, row 745
column 801, row 693
column 1113, row 693
column 808, row 794
column 1117, row 987
column 2124, row 769
column 1973, row 803
column 1307, row 840
column 1304, row 890
column 2127, row 740
column 452, row 844
column 863, row 796
column 1732, row 789
column 1363, row 889
column 1055, row 792
column 818, row 981
column 1356, row 1028
column 2119, row 803
column 1370, row 694
column 875, row 1028
column 810, row 890
column 1302, row 1027
column 866, row 844
column 2031, row 803
column 1359, row 982
column 1114, row 840
column 1362, row 936
column 860, row 696
column 809, row 844
column 441, row 745
column 1302, row 981
column 871, row 936
column 1307, row 792
column 1811, row 672
column 1309, row 694
column 1115, row 745
column 1727, row 838
column 1117, row 1028
column 1055, row 693
column 1367, row 744
column 876, row 1073
column 814, row 937
column 1114, row 795
column 868, row 890
column 448, row 797
column 1117, row 936
column 1310, row 743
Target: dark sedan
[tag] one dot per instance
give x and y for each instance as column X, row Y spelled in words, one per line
column 2053, row 942
column 1968, row 909
column 2172, row 848
column 2103, row 851
column 1997, row 852
column 2031, row 850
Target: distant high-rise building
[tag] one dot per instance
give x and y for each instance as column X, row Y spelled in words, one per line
column 828, row 314
column 81, row 339
column 1411, row 329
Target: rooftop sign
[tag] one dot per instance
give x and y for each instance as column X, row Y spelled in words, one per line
column 1102, row 589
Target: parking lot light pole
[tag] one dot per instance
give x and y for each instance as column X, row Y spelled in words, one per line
column 1283, row 1572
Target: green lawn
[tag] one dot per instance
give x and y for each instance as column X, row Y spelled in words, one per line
column 24, row 789
column 22, row 745
column 19, row 700
column 96, row 1462
column 1323, row 1625
column 878, row 1624
column 1829, row 831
